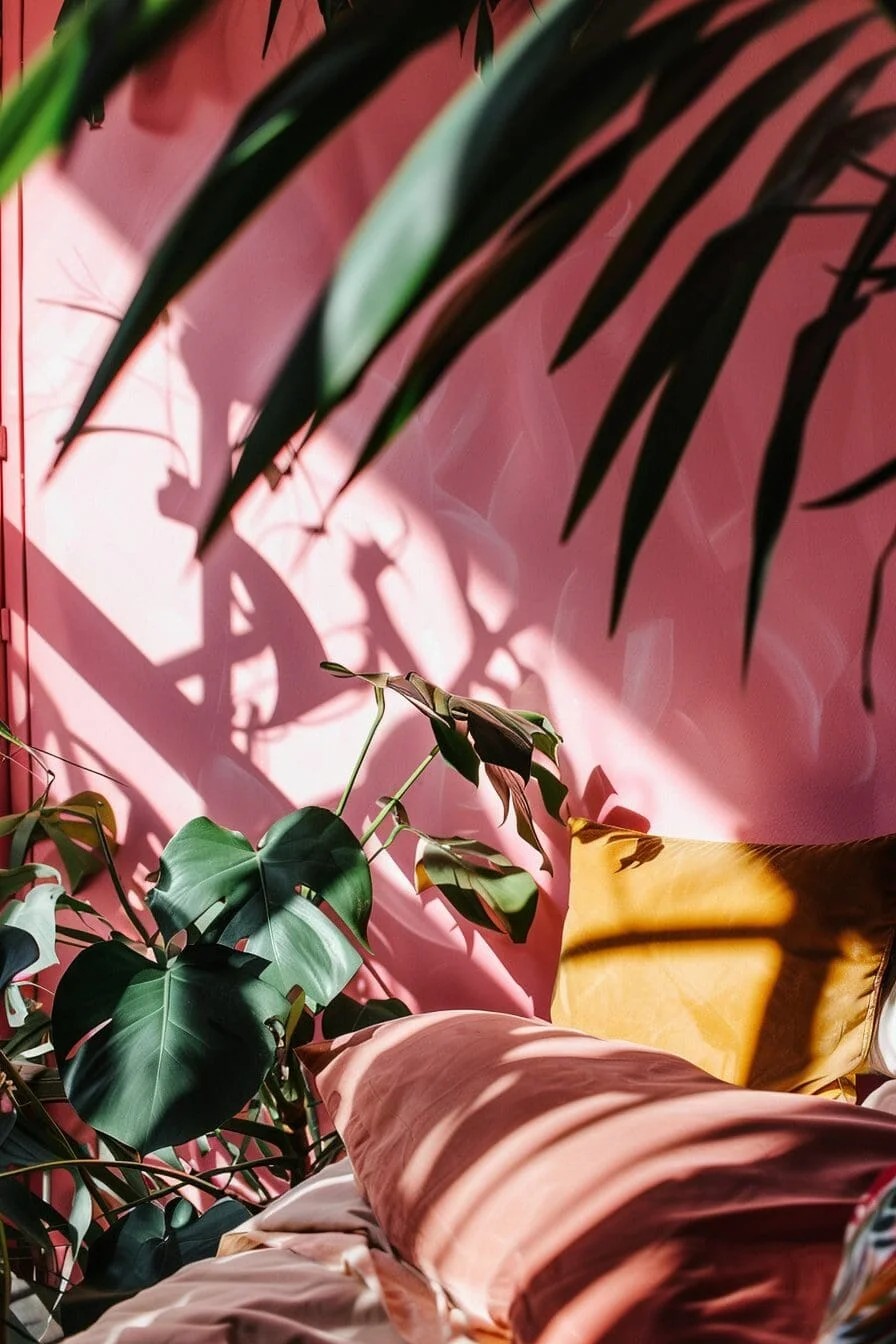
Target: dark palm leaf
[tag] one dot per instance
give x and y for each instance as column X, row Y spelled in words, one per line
column 493, row 153
column 697, row 366
column 703, row 163
column 874, row 606
column 478, row 164
column 874, row 480
column 815, row 347
column 273, row 15
column 94, row 47
column 545, row 232
column 278, row 130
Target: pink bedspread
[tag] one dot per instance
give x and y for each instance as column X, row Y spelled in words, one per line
column 313, row 1268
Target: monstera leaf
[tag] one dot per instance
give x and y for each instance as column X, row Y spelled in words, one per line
column 346, row 1014
column 142, row 1248
column 157, row 1054
column 482, row 884
column 470, row 733
column 18, row 951
column 252, row 894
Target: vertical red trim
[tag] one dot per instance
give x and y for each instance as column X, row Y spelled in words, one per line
column 15, row 689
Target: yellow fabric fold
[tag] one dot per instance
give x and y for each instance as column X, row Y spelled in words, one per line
column 762, row 964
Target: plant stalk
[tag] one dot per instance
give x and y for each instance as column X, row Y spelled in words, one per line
column 398, row 795
column 356, row 770
column 120, row 892
column 32, row 1102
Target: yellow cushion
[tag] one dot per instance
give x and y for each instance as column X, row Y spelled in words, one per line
column 762, row 964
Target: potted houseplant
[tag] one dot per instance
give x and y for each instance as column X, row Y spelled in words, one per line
column 172, row 1039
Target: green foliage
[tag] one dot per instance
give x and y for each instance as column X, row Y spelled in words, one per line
column 175, row 1049
column 181, row 1030
column 97, row 43
column 480, row 883
column 146, row 1245
column 488, row 177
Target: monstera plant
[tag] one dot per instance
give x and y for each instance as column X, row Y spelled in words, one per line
column 171, row 1035
column 495, row 162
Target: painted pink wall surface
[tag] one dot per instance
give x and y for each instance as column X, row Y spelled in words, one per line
column 197, row 687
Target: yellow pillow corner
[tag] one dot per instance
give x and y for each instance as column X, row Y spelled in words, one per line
column 762, row 964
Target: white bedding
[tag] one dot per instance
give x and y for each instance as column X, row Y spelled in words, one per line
column 312, row 1268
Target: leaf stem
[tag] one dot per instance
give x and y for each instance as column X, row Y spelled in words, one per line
column 396, row 831
column 33, row 1103
column 398, row 795
column 63, row 1163
column 356, row 770
column 78, row 936
column 311, row 1104
column 116, row 881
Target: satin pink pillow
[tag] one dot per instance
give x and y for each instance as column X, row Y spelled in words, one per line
column 569, row 1190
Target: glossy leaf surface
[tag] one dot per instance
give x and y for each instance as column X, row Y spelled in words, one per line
column 175, row 1050
column 482, row 884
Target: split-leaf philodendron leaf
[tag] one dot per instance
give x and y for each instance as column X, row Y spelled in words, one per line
column 175, row 1049
column 482, row 884
column 251, row 894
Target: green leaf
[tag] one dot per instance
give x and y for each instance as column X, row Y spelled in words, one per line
column 498, row 735
column 327, row 859
column 23, row 836
column 477, row 164
column 734, row 257
column 482, row 884
column 13, row 879
column 175, row 1050
column 28, row 1036
column 553, row 791
column 91, row 53
column 279, row 129
column 346, row 1014
column 204, row 866
column 79, row 863
column 485, row 39
column 144, row 1247
column 80, row 1217
column 695, row 172
column 545, row 738
column 551, row 225
column 30, row 1214
column 303, row 947
column 512, row 793
column 694, row 330
column 95, row 114
column 457, row 749
column 813, row 351
column 378, row 679
column 21, row 1148
column 36, row 914
column 873, row 619
column 7, row 1125
column 716, row 292
column 18, row 951
column 273, row 13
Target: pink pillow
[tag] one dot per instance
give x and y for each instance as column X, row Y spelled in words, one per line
column 566, row 1190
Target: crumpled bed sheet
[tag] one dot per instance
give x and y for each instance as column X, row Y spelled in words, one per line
column 312, row 1268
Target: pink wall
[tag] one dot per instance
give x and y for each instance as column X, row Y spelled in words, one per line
column 198, row 687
